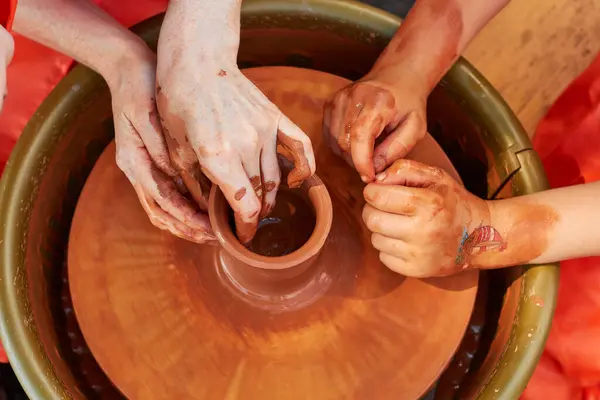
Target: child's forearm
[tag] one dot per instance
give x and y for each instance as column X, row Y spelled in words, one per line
column 550, row 226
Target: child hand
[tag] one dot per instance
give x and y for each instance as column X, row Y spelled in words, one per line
column 388, row 106
column 424, row 223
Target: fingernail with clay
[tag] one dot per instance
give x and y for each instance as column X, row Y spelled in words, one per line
column 380, row 177
column 365, row 178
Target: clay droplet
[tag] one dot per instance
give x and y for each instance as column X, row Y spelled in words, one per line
column 270, row 186
column 256, row 185
column 240, row 194
column 222, row 73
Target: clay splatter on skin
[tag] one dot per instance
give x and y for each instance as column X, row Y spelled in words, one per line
column 222, row 73
column 256, row 185
column 411, row 173
column 364, row 124
column 270, row 186
column 155, row 120
column 295, row 149
column 240, row 194
column 160, row 185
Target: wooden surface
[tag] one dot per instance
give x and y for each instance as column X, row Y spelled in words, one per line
column 534, row 48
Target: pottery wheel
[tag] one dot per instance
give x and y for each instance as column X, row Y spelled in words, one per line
column 160, row 321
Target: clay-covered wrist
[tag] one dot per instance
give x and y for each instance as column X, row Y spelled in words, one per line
column 498, row 243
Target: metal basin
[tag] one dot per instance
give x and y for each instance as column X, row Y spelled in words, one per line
column 59, row 146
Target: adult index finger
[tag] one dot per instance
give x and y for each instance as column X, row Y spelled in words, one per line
column 228, row 173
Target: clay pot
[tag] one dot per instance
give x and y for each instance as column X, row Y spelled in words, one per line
column 57, row 150
column 278, row 269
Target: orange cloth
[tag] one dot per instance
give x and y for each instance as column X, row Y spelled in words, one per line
column 48, row 67
column 568, row 141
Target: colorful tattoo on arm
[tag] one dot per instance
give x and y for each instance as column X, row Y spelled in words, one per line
column 482, row 239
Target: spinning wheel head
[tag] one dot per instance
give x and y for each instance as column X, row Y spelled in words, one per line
column 169, row 319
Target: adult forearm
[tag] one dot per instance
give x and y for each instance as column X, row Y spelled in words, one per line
column 550, row 226
column 81, row 30
column 434, row 34
column 207, row 31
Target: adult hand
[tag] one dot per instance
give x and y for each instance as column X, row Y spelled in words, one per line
column 142, row 152
column 215, row 118
column 388, row 103
column 424, row 223
column 7, row 46
column 80, row 29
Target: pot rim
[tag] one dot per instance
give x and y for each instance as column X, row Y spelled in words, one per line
column 321, row 202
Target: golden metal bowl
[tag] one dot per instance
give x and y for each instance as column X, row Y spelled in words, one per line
column 61, row 143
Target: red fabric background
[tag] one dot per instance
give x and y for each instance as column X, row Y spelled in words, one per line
column 568, row 140
column 7, row 13
column 35, row 71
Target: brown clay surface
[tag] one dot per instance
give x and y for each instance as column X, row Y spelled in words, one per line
column 161, row 320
